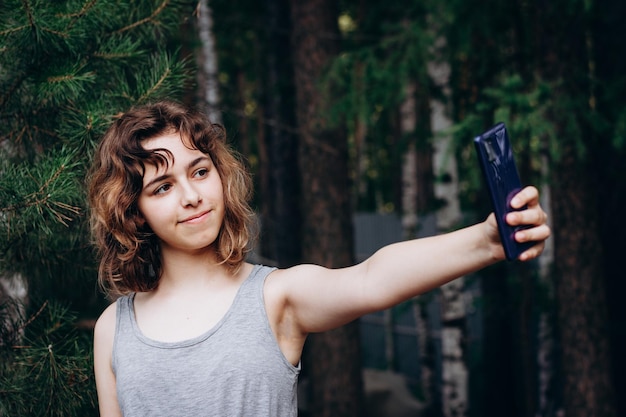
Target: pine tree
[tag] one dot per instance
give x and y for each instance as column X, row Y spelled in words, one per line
column 66, row 69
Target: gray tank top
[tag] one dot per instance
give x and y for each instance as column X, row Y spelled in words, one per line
column 234, row 369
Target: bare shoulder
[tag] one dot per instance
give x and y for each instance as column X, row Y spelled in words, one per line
column 306, row 281
column 105, row 325
column 282, row 280
column 104, row 334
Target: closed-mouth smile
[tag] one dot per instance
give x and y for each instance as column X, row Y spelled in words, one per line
column 196, row 217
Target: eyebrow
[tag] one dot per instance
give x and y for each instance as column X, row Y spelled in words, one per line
column 166, row 176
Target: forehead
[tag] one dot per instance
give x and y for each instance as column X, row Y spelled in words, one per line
column 171, row 141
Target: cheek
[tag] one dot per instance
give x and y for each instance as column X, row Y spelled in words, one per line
column 216, row 192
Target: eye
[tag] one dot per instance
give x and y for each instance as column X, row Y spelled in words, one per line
column 201, row 173
column 162, row 189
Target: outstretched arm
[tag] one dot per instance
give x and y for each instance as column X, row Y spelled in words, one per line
column 318, row 299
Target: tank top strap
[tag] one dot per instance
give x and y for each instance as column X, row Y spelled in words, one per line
column 255, row 281
column 249, row 302
column 123, row 328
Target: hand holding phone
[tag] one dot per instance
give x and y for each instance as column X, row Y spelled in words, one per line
column 497, row 163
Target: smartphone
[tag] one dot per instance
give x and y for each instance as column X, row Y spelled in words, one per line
column 497, row 163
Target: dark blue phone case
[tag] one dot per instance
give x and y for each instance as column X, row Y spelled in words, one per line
column 500, row 172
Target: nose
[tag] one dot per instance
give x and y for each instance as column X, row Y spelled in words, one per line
column 190, row 196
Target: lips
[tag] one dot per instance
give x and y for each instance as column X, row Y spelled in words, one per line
column 196, row 218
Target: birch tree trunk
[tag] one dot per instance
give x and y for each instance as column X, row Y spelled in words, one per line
column 455, row 391
column 208, row 74
column 416, row 197
column 408, row 124
column 13, row 303
column 426, row 352
column 546, row 406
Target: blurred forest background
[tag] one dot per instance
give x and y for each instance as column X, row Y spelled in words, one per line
column 341, row 107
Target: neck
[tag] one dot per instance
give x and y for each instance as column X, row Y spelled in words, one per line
column 189, row 269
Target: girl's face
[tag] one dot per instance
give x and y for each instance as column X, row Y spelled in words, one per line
column 183, row 202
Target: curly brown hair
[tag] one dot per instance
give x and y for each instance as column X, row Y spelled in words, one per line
column 127, row 247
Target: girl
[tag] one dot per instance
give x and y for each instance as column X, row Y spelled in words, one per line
column 197, row 331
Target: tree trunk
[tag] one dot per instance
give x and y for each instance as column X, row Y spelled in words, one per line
column 208, row 74
column 281, row 215
column 455, row 389
column 446, row 188
column 410, row 187
column 609, row 33
column 417, row 203
column 332, row 359
column 455, row 375
column 427, row 357
column 580, row 292
column 579, row 256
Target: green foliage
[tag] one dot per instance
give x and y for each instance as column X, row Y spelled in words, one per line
column 367, row 79
column 386, row 48
column 66, row 69
column 49, row 372
column 81, row 57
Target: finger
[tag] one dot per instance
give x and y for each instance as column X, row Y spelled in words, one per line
column 533, row 252
column 527, row 196
column 531, row 216
column 534, row 234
